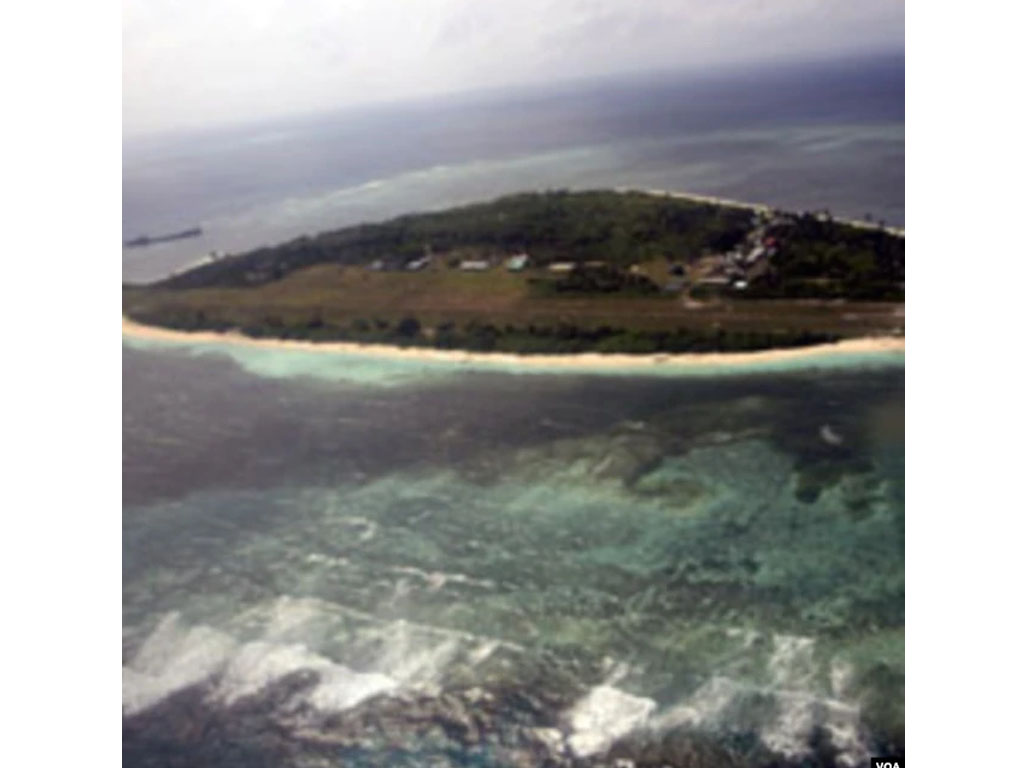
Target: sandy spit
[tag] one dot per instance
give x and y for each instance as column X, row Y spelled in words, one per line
column 584, row 360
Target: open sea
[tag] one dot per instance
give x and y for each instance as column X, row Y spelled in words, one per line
column 335, row 560
column 810, row 137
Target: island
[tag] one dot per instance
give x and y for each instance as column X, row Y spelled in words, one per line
column 556, row 272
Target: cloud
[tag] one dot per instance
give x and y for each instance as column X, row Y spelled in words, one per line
column 191, row 63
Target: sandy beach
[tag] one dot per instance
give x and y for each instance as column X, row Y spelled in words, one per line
column 585, row 360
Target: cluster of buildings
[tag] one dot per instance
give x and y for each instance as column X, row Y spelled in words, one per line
column 391, row 265
column 515, row 263
column 737, row 268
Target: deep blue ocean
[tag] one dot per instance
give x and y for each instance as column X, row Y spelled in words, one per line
column 341, row 560
column 826, row 135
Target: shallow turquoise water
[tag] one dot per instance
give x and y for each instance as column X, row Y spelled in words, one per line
column 377, row 370
column 470, row 567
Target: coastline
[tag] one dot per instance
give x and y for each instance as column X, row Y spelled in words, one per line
column 758, row 207
column 579, row 361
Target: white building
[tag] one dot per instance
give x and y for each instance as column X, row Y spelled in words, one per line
column 562, row 266
column 517, row 263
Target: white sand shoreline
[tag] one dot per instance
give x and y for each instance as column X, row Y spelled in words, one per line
column 758, row 207
column 579, row 361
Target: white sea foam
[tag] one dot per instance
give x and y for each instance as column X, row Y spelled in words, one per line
column 604, row 715
column 792, row 662
column 269, row 642
column 799, row 713
column 406, row 657
column 259, row 664
column 363, row 529
column 340, row 688
column 551, row 738
column 287, row 615
column 483, row 652
column 746, row 636
column 174, row 657
column 800, row 706
column 704, row 707
column 436, row 580
column 791, row 729
column 840, row 676
column 317, row 558
column 830, row 436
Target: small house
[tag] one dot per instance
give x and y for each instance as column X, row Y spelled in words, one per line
column 517, row 263
column 562, row 266
column 474, row 265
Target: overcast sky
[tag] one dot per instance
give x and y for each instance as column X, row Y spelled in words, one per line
column 196, row 62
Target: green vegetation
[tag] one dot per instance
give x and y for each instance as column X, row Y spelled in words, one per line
column 616, row 228
column 822, row 258
column 488, row 337
column 585, row 280
column 607, row 272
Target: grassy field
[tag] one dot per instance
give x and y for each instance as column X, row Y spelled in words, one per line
column 337, row 295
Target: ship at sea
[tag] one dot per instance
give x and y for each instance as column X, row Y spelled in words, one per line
column 144, row 240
